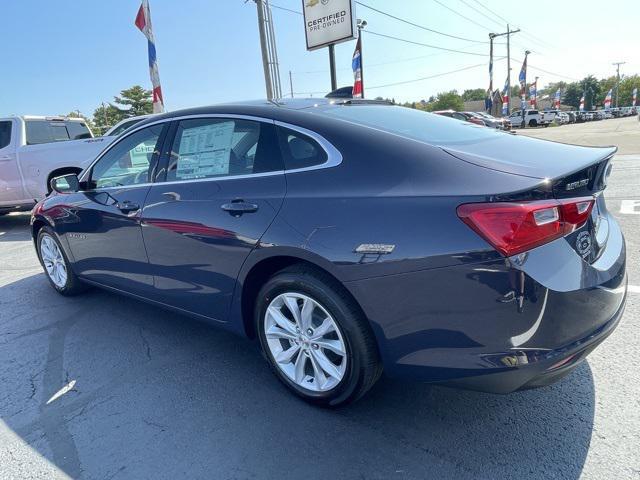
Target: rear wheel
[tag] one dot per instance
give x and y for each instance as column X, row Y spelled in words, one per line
column 56, row 265
column 533, row 123
column 315, row 338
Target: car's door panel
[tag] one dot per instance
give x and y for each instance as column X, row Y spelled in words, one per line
column 199, row 231
column 11, row 185
column 103, row 223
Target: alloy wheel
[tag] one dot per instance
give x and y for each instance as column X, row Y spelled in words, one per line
column 305, row 342
column 53, row 261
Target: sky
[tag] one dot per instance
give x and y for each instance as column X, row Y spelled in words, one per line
column 71, row 55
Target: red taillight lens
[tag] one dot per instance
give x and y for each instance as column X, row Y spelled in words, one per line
column 513, row 228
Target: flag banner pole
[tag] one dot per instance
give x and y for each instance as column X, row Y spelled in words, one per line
column 143, row 22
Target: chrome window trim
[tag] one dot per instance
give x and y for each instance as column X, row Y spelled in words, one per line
column 334, row 157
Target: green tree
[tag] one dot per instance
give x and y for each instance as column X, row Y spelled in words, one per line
column 447, row 100
column 135, row 100
column 105, row 117
column 473, row 94
column 625, row 94
column 592, row 89
column 572, row 95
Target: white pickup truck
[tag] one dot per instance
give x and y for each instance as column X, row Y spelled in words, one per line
column 33, row 150
column 533, row 118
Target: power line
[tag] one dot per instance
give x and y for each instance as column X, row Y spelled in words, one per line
column 431, row 76
column 461, row 15
column 285, row 9
column 419, row 26
column 535, row 39
column 548, row 72
column 370, row 65
column 481, row 13
column 369, row 32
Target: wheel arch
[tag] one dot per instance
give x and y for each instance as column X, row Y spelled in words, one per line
column 265, row 264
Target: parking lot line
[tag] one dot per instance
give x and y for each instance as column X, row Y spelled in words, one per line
column 630, row 207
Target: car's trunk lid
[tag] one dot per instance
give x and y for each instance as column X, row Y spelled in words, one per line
column 571, row 172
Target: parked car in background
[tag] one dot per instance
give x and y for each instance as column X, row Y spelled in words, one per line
column 607, row 114
column 259, row 239
column 491, row 121
column 572, row 116
column 35, row 149
column 465, row 117
column 597, row 115
column 532, row 118
column 122, row 125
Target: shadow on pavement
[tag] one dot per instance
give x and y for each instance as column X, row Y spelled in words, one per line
column 15, row 227
column 157, row 395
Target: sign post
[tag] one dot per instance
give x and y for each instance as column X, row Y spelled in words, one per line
column 327, row 22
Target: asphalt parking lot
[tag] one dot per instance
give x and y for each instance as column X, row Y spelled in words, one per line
column 150, row 394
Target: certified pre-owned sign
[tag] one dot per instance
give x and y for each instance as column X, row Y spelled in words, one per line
column 327, row 22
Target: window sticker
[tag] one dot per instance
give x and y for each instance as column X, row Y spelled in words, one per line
column 205, row 151
column 141, row 154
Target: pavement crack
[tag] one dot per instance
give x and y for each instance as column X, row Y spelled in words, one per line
column 145, row 342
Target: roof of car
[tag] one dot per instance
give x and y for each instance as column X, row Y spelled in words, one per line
column 282, row 109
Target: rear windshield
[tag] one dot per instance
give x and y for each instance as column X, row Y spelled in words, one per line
column 48, row 131
column 416, row 124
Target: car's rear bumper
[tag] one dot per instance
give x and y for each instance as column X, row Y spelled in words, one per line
column 497, row 325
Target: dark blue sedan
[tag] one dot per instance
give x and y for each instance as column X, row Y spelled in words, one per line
column 351, row 238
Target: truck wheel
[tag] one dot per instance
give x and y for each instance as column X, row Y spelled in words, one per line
column 533, row 123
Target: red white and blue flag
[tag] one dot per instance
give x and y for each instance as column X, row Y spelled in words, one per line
column 556, row 101
column 143, row 22
column 635, row 95
column 533, row 94
column 356, row 66
column 582, row 103
column 607, row 99
column 522, row 78
column 505, row 98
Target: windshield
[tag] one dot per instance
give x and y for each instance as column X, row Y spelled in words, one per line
column 410, row 123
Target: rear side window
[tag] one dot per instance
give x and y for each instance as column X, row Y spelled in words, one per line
column 78, row 130
column 43, row 131
column 219, row 147
column 299, row 151
column 5, row 134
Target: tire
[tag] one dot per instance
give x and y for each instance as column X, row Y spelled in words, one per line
column 354, row 373
column 533, row 123
column 70, row 284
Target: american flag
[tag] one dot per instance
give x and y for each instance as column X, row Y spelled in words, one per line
column 356, row 66
column 522, row 78
column 533, row 94
column 143, row 22
column 635, row 94
column 556, row 102
column 505, row 97
column 607, row 99
column 582, row 103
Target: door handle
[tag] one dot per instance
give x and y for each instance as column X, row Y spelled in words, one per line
column 5, row 158
column 238, row 206
column 127, row 206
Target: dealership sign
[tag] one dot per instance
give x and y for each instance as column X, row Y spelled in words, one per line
column 327, row 22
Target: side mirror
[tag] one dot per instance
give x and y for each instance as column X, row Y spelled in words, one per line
column 66, row 183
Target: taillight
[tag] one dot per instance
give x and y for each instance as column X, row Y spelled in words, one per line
column 513, row 228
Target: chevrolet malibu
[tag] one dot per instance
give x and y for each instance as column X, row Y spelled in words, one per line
column 351, row 238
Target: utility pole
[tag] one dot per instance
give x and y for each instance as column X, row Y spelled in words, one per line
column 263, row 49
column 268, row 50
column 617, row 64
column 291, row 83
column 508, row 34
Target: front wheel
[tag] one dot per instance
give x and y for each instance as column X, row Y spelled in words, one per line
column 315, row 338
column 56, row 265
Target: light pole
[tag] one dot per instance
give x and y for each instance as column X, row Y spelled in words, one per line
column 523, row 88
column 617, row 64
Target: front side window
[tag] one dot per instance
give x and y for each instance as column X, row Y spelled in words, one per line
column 300, row 151
column 128, row 162
column 5, row 134
column 217, row 147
